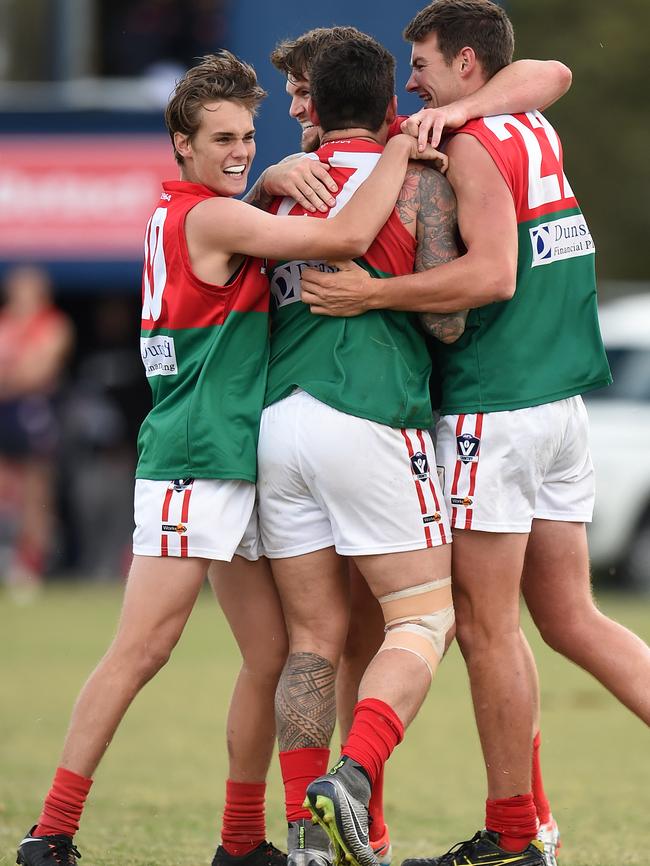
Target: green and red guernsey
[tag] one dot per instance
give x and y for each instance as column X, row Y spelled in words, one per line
column 205, row 352
column 544, row 344
column 374, row 366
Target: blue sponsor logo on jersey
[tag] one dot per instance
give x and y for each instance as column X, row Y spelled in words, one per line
column 467, row 447
column 542, row 243
column 560, row 239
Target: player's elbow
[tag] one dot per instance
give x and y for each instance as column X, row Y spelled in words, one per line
column 502, row 291
column 356, row 243
column 449, row 338
column 563, row 75
column 501, row 283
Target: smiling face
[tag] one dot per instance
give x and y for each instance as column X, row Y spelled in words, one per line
column 435, row 82
column 220, row 153
column 298, row 90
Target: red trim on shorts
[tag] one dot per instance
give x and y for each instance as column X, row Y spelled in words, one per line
column 186, row 504
column 164, row 543
column 168, row 498
column 185, row 510
column 478, row 429
column 443, row 536
column 418, row 488
column 454, row 484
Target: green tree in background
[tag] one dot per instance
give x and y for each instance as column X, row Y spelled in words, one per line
column 604, row 120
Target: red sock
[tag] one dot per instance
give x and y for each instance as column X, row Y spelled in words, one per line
column 376, row 808
column 542, row 805
column 64, row 804
column 375, row 732
column 299, row 768
column 514, row 819
column 243, row 817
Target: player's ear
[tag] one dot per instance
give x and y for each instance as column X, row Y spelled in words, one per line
column 391, row 111
column 182, row 144
column 313, row 114
column 466, row 61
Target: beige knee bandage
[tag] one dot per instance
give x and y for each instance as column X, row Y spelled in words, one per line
column 418, row 619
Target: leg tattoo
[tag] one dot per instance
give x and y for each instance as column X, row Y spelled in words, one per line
column 305, row 703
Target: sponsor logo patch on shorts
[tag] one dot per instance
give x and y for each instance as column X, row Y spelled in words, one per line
column 432, row 518
column 464, row 501
column 420, row 466
column 180, row 484
column 174, row 527
column 467, row 447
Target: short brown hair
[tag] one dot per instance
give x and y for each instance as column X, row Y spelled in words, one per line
column 220, row 76
column 295, row 56
column 480, row 24
column 352, row 84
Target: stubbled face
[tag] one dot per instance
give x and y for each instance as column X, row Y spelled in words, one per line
column 298, row 90
column 219, row 155
column 431, row 78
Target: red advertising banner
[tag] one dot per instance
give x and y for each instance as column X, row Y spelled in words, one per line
column 80, row 197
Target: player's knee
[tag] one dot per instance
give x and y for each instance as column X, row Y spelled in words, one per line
column 563, row 634
column 362, row 642
column 266, row 659
column 136, row 663
column 154, row 656
column 419, row 620
column 326, row 639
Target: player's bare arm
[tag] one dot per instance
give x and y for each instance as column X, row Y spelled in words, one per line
column 524, row 85
column 219, row 229
column 427, row 208
column 484, row 274
column 300, row 177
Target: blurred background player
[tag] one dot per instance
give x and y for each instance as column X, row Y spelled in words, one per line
column 36, row 340
column 521, row 86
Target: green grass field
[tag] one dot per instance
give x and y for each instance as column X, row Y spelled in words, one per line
column 158, row 795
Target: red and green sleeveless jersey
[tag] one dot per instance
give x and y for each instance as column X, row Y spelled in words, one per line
column 374, row 366
column 205, row 352
column 544, row 343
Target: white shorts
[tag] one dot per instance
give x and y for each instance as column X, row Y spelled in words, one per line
column 502, row 469
column 208, row 518
column 327, row 478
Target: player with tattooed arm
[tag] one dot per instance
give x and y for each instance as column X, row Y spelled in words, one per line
column 345, row 468
column 520, row 86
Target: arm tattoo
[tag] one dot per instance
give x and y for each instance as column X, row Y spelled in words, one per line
column 305, row 703
column 407, row 203
column 436, row 234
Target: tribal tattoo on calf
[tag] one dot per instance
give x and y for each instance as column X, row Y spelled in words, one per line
column 305, row 703
column 428, row 199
